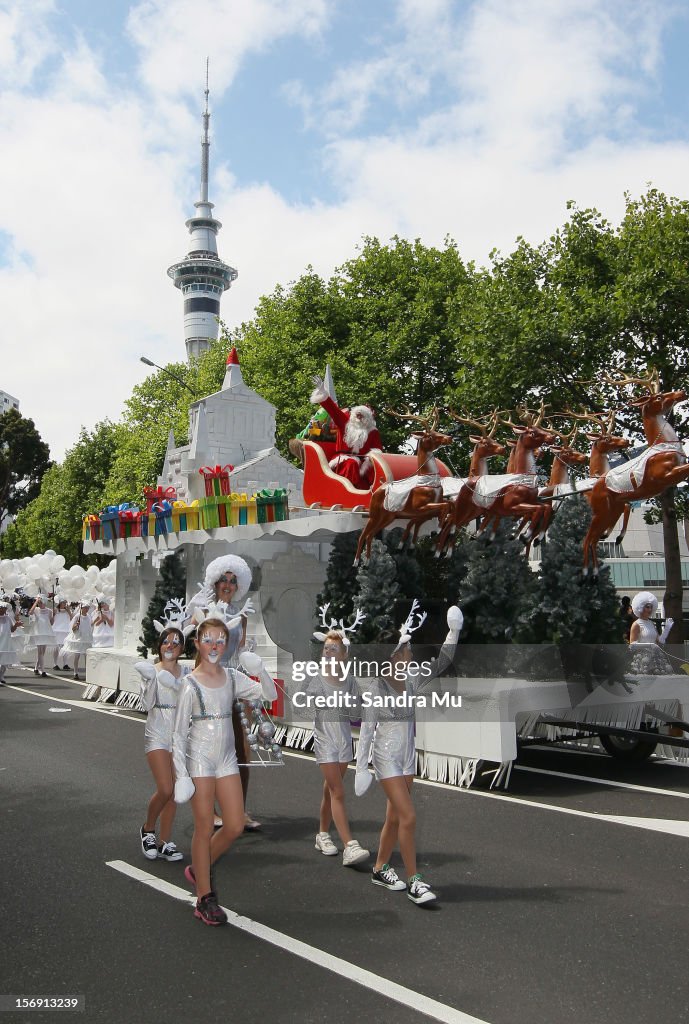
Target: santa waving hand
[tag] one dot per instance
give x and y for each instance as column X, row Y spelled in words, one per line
column 356, row 436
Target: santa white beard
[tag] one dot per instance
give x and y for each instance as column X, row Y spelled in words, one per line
column 359, row 426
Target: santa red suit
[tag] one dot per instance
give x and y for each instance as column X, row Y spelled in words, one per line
column 356, row 436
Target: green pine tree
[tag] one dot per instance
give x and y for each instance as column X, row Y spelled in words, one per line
column 566, row 607
column 172, row 582
column 377, row 592
column 340, row 578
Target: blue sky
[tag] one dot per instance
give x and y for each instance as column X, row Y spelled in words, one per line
column 331, row 119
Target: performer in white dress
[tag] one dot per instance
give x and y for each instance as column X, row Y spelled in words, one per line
column 332, row 739
column 160, row 683
column 103, row 622
column 80, row 637
column 40, row 633
column 645, row 642
column 61, row 626
column 9, row 623
column 205, row 758
column 387, row 736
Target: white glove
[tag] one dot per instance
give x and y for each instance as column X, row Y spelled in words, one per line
column 248, row 608
column 362, row 781
column 167, row 679
column 250, row 662
column 184, row 790
column 146, row 670
column 455, row 619
column 319, row 394
column 669, row 623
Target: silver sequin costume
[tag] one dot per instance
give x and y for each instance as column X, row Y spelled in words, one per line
column 332, row 730
column 203, row 735
column 159, row 698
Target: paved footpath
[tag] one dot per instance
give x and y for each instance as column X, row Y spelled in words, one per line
column 562, row 901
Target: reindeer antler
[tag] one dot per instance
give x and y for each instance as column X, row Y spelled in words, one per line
column 480, row 425
column 408, row 627
column 358, row 619
column 429, row 423
column 606, row 423
column 651, row 382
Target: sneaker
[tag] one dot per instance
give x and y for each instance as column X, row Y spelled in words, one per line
column 169, row 852
column 208, row 910
column 354, row 854
column 325, row 844
column 149, row 847
column 419, row 891
column 388, row 878
column 189, row 875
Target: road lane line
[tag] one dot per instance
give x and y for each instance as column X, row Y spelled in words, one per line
column 85, row 705
column 312, row 954
column 601, row 782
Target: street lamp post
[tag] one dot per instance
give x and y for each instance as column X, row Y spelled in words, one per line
column 149, row 362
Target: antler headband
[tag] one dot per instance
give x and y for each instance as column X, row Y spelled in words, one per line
column 336, row 626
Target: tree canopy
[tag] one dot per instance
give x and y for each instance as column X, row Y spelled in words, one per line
column 24, row 459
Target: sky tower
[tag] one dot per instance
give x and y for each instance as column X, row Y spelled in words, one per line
column 202, row 276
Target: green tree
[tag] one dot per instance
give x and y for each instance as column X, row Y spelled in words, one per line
column 376, row 595
column 171, row 583
column 24, row 458
column 340, row 578
column 69, row 490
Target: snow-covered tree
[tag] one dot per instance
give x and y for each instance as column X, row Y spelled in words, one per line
column 172, row 582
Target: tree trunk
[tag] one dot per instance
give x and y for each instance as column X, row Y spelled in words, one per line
column 672, row 599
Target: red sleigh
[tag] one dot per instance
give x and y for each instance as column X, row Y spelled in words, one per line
column 325, row 488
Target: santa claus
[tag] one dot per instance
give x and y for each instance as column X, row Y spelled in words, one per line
column 356, row 436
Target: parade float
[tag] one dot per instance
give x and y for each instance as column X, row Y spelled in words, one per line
column 230, row 491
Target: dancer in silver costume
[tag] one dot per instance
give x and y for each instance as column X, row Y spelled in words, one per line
column 388, row 738
column 160, row 684
column 332, row 744
column 205, row 759
column 226, row 582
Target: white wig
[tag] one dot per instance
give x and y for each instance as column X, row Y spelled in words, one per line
column 217, row 568
column 640, row 600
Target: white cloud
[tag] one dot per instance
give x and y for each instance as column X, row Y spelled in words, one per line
column 532, row 104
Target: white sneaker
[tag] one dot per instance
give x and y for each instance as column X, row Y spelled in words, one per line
column 388, row 878
column 419, row 891
column 325, row 844
column 354, row 854
column 169, row 852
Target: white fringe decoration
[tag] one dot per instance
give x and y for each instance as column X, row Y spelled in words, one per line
column 91, row 692
column 106, row 696
column 129, row 700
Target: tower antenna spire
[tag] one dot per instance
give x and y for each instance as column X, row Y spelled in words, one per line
column 205, row 146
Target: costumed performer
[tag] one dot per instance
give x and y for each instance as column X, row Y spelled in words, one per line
column 332, row 739
column 356, row 436
column 9, row 623
column 160, row 683
column 40, row 633
column 226, row 582
column 61, row 626
column 644, row 640
column 80, row 637
column 387, row 736
column 102, row 623
column 205, row 758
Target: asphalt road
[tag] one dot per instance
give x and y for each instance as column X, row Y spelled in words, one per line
column 561, row 901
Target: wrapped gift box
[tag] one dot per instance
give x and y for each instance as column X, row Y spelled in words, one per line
column 216, row 480
column 155, row 495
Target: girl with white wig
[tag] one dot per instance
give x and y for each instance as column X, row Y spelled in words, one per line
column 9, row 622
column 226, row 583
column 644, row 639
column 387, row 738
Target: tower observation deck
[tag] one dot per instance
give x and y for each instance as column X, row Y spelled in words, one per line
column 202, row 276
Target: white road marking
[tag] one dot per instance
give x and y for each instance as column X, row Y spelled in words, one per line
column 601, row 782
column 390, row 989
column 85, row 705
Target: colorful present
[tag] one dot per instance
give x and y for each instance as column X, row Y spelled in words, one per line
column 179, row 516
column 142, row 521
column 129, row 522
column 193, row 516
column 162, row 510
column 155, row 495
column 90, row 527
column 272, row 505
column 216, row 479
column 110, row 520
column 209, row 518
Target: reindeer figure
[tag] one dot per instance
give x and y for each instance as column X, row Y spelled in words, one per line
column 417, row 499
column 516, row 493
column 566, row 459
column 464, row 508
column 599, row 465
column 662, row 465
